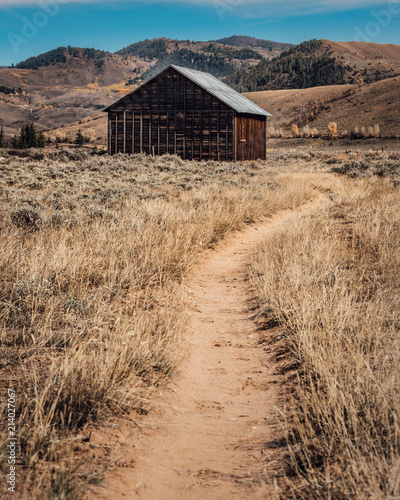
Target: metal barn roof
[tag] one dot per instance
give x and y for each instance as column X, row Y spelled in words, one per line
column 221, row 91
column 214, row 86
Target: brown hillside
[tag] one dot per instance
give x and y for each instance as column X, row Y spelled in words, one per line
column 53, row 80
column 349, row 105
column 368, row 60
column 62, row 93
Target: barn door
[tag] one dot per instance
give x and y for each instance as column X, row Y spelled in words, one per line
column 241, row 139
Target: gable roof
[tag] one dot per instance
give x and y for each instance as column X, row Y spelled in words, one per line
column 221, row 91
column 214, row 86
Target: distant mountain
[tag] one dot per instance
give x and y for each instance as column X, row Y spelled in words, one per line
column 70, row 84
column 62, row 55
column 306, row 65
column 220, row 59
column 320, row 63
column 160, row 47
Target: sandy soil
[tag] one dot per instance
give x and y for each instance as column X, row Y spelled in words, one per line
column 216, row 434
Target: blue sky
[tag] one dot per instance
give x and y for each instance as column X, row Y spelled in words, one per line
column 30, row 27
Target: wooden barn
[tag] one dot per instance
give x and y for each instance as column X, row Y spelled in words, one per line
column 188, row 113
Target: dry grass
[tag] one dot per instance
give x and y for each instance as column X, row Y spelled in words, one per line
column 93, row 252
column 332, row 132
column 332, row 282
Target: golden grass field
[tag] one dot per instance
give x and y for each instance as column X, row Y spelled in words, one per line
column 332, row 284
column 93, row 254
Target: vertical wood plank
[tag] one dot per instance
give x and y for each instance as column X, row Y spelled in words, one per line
column 201, row 133
column 150, row 132
column 201, row 125
column 116, row 133
column 193, row 135
column 184, row 119
column 218, row 127
column 175, row 136
column 133, row 132
column 167, row 133
column 158, row 126
column 210, row 131
column 124, row 131
column 141, row 131
column 159, row 131
column 236, row 139
column 109, row 134
column 227, row 137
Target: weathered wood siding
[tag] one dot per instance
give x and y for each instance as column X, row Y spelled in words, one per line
column 251, row 138
column 171, row 114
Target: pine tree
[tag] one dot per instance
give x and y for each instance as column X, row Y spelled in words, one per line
column 31, row 136
column 79, row 139
column 22, row 141
column 15, row 142
column 2, row 139
column 28, row 138
column 41, row 140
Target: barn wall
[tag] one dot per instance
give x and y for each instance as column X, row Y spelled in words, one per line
column 251, row 138
column 173, row 115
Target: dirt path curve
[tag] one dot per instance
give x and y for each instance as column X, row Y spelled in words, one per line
column 215, row 437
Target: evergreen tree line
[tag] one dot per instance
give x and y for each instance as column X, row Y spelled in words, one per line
column 3, row 142
column 9, row 90
column 300, row 67
column 59, row 55
column 217, row 65
column 146, row 49
column 231, row 53
column 27, row 138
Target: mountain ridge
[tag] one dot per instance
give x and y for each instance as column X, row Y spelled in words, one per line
column 69, row 84
column 319, row 63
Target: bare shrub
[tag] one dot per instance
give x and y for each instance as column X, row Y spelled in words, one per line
column 27, row 217
column 376, row 130
column 295, row 130
column 275, row 133
column 315, row 133
column 332, row 130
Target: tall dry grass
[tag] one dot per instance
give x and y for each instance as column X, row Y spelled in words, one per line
column 332, row 281
column 93, row 252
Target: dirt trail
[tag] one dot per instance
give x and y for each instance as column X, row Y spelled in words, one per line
column 216, row 436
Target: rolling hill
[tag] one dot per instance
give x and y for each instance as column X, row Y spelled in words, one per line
column 70, row 86
column 319, row 63
column 221, row 57
column 348, row 105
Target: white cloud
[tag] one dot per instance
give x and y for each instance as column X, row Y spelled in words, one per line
column 324, row 4
column 248, row 9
